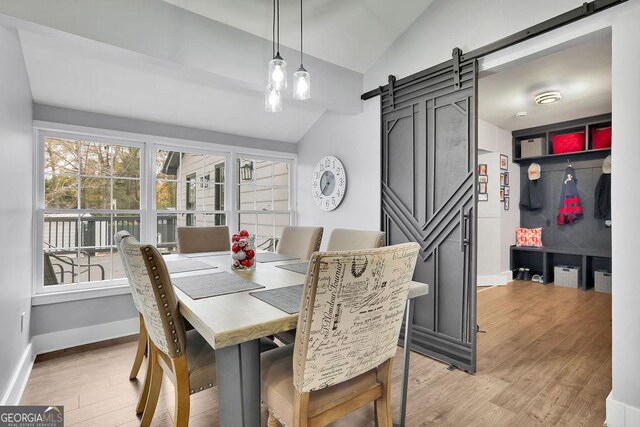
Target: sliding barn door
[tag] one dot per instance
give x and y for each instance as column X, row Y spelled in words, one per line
column 428, row 196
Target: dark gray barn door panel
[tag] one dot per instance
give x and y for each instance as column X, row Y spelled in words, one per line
column 428, row 196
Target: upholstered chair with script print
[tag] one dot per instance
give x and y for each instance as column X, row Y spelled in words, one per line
column 203, row 239
column 143, row 339
column 350, row 240
column 300, row 242
column 348, row 329
column 184, row 356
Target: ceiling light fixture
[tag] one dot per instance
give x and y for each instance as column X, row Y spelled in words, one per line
column 272, row 100
column 521, row 114
column 548, row 97
column 301, row 78
column 277, row 66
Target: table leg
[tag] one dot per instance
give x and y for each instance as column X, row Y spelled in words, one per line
column 238, row 371
column 408, row 331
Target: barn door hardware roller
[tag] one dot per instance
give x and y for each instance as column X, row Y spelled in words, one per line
column 392, row 95
column 457, row 53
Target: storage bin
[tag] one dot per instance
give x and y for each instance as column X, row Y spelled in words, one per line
column 532, row 147
column 601, row 138
column 602, row 280
column 566, row 276
column 568, row 142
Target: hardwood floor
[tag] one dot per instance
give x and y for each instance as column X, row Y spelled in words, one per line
column 545, row 359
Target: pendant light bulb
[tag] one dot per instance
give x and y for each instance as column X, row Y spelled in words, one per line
column 301, row 84
column 278, row 73
column 272, row 100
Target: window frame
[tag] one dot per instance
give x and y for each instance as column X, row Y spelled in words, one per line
column 39, row 288
column 236, row 212
column 148, row 145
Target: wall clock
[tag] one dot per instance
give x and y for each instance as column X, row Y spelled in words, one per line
column 329, row 183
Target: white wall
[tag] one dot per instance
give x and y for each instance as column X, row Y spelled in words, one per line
column 496, row 227
column 623, row 406
column 355, row 140
column 16, row 170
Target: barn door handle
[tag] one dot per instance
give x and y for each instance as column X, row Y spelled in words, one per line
column 464, row 241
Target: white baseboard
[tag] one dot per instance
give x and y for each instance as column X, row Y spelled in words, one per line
column 19, row 379
column 496, row 279
column 621, row 415
column 61, row 340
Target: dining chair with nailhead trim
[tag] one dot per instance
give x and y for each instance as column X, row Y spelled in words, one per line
column 184, row 356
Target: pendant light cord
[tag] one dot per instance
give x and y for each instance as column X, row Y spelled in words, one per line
column 278, row 50
column 273, row 31
column 301, row 33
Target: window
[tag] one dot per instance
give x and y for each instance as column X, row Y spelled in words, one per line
column 90, row 187
column 189, row 191
column 91, row 191
column 263, row 199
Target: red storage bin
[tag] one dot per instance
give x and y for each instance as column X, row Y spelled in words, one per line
column 601, row 138
column 568, row 142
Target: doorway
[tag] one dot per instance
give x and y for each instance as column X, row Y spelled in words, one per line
column 544, row 294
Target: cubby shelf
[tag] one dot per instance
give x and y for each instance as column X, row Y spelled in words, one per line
column 542, row 260
column 581, row 125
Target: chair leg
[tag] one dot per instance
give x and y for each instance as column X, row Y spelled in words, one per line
column 183, row 397
column 300, row 409
column 383, row 404
column 140, row 352
column 154, row 386
column 142, row 400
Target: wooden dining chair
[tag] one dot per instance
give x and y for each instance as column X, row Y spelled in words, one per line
column 342, row 239
column 300, row 242
column 184, row 356
column 348, row 329
column 203, row 239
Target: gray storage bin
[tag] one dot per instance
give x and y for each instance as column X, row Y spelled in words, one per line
column 602, row 280
column 566, row 276
column 532, row 147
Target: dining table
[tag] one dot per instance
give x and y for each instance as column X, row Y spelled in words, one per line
column 234, row 323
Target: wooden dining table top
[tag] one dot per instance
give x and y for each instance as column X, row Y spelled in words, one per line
column 235, row 318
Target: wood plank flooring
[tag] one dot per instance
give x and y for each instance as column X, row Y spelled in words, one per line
column 544, row 360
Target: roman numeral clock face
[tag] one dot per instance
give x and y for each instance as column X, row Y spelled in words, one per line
column 329, row 183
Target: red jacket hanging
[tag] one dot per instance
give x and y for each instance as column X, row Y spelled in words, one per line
column 569, row 209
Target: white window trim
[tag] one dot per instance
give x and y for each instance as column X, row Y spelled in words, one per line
column 148, row 213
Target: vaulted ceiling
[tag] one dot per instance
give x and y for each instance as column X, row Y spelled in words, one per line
column 202, row 64
column 349, row 33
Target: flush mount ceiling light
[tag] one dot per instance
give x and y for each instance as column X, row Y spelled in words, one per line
column 301, row 78
column 549, row 97
column 521, row 114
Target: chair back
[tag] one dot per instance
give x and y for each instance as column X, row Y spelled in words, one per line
column 50, row 277
column 119, row 237
column 351, row 313
column 203, row 239
column 300, row 241
column 153, row 293
column 351, row 240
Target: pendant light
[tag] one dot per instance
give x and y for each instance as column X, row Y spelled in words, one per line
column 277, row 66
column 301, row 78
column 272, row 100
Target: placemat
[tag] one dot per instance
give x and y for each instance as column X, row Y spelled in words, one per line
column 297, row 268
column 182, row 265
column 204, row 254
column 287, row 299
column 273, row 257
column 213, row 285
